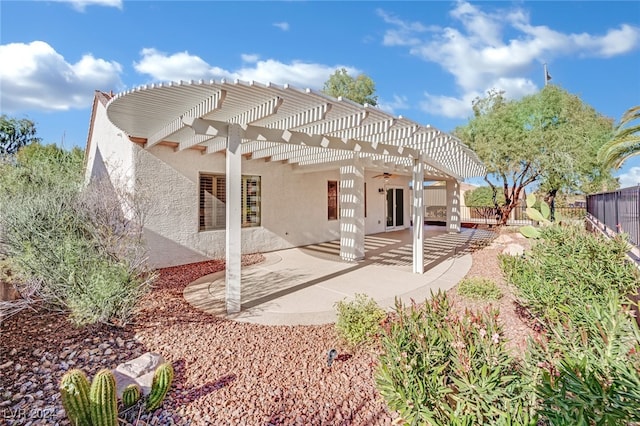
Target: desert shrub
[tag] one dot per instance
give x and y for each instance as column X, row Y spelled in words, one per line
column 586, row 367
column 568, row 268
column 479, row 288
column 74, row 240
column 440, row 369
column 358, row 321
column 587, row 371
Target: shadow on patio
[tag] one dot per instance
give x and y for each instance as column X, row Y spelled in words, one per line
column 302, row 285
column 395, row 248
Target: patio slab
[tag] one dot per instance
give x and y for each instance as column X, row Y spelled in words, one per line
column 300, row 286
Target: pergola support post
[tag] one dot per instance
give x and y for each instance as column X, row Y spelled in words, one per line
column 418, row 217
column 352, row 212
column 233, row 248
column 453, row 206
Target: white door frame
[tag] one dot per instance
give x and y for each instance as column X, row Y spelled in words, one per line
column 396, row 222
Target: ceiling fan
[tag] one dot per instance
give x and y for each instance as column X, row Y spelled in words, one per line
column 386, row 176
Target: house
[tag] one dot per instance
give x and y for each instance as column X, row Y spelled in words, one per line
column 237, row 167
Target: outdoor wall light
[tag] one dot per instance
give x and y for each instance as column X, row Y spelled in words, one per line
column 381, row 190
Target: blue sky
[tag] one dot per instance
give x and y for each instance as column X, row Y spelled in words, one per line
column 429, row 60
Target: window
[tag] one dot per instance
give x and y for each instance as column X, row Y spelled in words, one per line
column 332, row 200
column 250, row 201
column 213, row 200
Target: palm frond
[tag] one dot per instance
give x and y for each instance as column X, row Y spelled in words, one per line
column 625, row 142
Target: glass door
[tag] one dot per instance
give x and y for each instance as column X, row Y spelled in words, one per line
column 395, row 208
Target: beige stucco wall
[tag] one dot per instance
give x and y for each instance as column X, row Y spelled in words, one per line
column 376, row 217
column 293, row 207
column 293, row 204
column 110, row 152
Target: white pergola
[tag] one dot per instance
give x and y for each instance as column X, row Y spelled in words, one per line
column 306, row 129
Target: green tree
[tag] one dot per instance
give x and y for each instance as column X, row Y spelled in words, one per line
column 42, row 167
column 360, row 89
column 550, row 137
column 15, row 134
column 482, row 196
column 481, row 200
column 573, row 133
column 625, row 142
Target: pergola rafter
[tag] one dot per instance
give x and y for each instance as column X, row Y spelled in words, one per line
column 305, row 129
column 282, row 117
column 211, row 103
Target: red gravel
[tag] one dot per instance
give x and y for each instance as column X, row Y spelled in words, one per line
column 227, row 373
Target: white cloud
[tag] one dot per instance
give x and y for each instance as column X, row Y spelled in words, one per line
column 481, row 26
column 284, row 26
column 403, row 33
column 185, row 66
column 398, row 102
column 630, row 178
column 81, row 5
column 249, row 58
column 460, row 107
column 448, row 106
column 514, row 87
column 615, row 42
column 476, row 51
column 296, row 73
column 35, row 76
column 178, row 66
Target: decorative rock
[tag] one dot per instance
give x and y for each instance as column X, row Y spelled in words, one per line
column 503, row 239
column 513, row 250
column 139, row 370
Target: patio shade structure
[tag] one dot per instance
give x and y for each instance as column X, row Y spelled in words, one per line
column 304, row 128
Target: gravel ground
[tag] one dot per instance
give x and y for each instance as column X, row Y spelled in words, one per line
column 227, row 373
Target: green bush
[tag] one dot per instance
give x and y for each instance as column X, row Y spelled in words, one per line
column 358, row 321
column 567, row 269
column 440, row 369
column 589, row 369
column 60, row 236
column 479, row 288
column 586, row 368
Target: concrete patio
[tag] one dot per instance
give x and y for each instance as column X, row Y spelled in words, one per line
column 301, row 285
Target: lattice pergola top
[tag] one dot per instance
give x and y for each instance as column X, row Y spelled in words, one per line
column 305, row 128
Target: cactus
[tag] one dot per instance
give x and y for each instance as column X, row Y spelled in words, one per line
column 74, row 392
column 131, row 395
column 541, row 216
column 103, row 400
column 159, row 386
